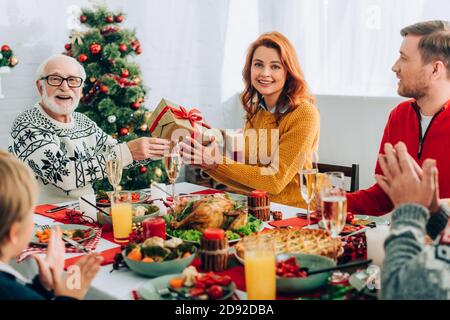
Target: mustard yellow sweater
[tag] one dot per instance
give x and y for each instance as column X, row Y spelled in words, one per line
column 298, row 136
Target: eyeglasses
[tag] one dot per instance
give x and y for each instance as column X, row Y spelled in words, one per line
column 56, row 81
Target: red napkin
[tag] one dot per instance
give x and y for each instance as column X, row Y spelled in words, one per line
column 293, row 222
column 208, row 191
column 108, row 257
column 58, row 215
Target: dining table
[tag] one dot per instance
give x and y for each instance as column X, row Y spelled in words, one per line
column 120, row 284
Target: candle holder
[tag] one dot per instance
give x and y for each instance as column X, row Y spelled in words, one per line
column 259, row 205
column 214, row 250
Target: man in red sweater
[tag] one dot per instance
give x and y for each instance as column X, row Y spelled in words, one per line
column 423, row 122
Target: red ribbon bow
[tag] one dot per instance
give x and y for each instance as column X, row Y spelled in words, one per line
column 193, row 116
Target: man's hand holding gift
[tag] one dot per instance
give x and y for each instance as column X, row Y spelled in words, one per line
column 148, row 148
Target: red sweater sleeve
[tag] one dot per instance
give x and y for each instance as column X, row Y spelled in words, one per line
column 373, row 201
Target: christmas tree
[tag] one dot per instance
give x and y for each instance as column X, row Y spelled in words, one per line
column 113, row 95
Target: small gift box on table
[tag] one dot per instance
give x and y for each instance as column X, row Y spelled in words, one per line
column 172, row 121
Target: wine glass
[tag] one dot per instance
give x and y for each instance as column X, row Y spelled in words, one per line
column 172, row 164
column 308, row 180
column 114, row 166
column 334, row 202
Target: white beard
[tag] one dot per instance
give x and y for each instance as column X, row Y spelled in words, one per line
column 63, row 111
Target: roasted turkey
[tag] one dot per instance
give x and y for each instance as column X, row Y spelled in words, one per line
column 215, row 211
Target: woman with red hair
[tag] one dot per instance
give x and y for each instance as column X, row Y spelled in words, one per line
column 280, row 113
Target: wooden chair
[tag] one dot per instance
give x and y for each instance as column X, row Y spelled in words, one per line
column 352, row 172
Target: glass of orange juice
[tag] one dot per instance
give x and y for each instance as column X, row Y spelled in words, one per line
column 259, row 262
column 121, row 215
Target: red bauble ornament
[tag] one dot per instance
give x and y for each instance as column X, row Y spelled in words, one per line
column 125, row 73
column 68, row 46
column 6, row 48
column 95, row 48
column 143, row 169
column 83, row 19
column 119, row 18
column 123, row 47
column 82, row 57
column 104, row 89
column 136, row 105
column 138, row 50
column 123, row 131
column 109, row 19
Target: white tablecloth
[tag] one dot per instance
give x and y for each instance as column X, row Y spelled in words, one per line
column 120, row 283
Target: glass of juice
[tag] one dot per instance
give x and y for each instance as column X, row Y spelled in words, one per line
column 121, row 215
column 259, row 262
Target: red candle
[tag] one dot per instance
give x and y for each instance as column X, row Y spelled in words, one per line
column 214, row 234
column 154, row 227
column 258, row 194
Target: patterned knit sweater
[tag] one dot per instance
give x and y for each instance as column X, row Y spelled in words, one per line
column 65, row 157
column 298, row 135
column 412, row 270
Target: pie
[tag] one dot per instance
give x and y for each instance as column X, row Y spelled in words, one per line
column 295, row 240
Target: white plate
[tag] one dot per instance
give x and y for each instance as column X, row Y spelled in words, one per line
column 35, row 240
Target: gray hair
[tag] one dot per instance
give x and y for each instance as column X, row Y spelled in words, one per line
column 40, row 71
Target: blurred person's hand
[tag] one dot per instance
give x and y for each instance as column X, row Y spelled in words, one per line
column 402, row 181
column 70, row 286
column 53, row 260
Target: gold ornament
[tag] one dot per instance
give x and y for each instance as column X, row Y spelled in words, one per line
column 13, row 61
column 158, row 172
column 92, row 79
column 144, row 127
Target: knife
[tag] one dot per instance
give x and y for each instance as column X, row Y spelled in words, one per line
column 61, row 207
column 76, row 244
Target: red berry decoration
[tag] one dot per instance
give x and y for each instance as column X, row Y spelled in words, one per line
column 67, row 46
column 82, row 57
column 350, row 217
column 143, row 170
column 109, row 19
column 136, row 105
column 104, row 89
column 119, row 18
column 138, row 50
column 6, row 48
column 123, row 47
column 83, row 19
column 125, row 73
column 95, row 48
column 123, row 131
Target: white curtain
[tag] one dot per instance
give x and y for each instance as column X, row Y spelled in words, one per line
column 347, row 47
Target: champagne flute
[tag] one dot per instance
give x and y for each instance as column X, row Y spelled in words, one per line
column 334, row 202
column 308, row 181
column 114, row 166
column 172, row 164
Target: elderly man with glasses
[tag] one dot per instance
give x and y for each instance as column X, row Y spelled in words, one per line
column 65, row 149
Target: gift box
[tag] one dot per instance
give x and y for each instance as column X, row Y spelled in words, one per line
column 172, row 121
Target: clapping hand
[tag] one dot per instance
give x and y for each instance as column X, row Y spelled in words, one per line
column 404, row 181
column 53, row 260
